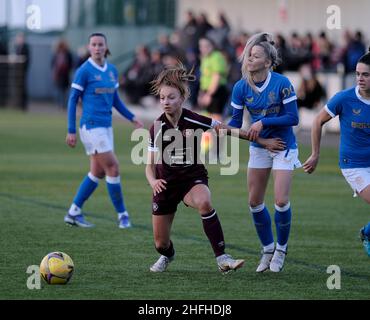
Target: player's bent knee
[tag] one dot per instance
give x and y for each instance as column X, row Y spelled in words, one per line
column 112, row 170
column 367, row 199
column 365, row 194
column 205, row 206
column 282, row 205
column 99, row 175
column 255, row 204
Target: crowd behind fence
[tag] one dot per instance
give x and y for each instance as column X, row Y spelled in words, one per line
column 331, row 64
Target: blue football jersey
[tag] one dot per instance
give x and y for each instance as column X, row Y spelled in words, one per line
column 354, row 117
column 98, row 85
column 274, row 104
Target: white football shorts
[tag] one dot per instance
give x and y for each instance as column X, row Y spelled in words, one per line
column 260, row 158
column 97, row 140
column 357, row 178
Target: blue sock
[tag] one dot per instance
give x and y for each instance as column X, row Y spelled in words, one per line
column 115, row 193
column 367, row 230
column 283, row 217
column 87, row 187
column 262, row 222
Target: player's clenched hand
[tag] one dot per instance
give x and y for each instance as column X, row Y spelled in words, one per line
column 310, row 164
column 71, row 139
column 220, row 129
column 274, row 145
column 158, row 186
column 217, row 127
column 254, row 130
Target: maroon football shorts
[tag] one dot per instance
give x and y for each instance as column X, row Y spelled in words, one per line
column 166, row 202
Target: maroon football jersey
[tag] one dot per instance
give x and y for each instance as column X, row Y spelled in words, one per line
column 179, row 148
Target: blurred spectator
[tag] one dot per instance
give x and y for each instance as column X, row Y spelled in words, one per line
column 22, row 49
column 135, row 80
column 156, row 63
column 220, row 33
column 234, row 74
column 325, row 49
column 213, row 93
column 281, row 46
column 296, row 53
column 170, row 60
column 188, row 32
column 156, row 67
column 203, row 26
column 192, row 62
column 62, row 64
column 4, row 73
column 354, row 49
column 3, row 46
column 175, row 41
column 82, row 55
column 310, row 92
column 166, row 47
column 312, row 47
column 239, row 42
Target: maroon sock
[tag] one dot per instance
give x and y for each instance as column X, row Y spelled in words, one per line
column 213, row 230
column 168, row 252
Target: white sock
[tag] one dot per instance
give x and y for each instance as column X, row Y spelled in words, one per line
column 122, row 214
column 74, row 210
column 281, row 248
column 269, row 248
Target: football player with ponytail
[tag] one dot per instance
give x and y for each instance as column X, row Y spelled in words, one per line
column 270, row 99
column 175, row 172
column 353, row 108
column 96, row 83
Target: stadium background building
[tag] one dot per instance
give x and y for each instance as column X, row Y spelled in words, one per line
column 129, row 23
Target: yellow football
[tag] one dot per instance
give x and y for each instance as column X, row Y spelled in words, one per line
column 56, row 268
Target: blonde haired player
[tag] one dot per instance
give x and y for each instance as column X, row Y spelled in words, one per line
column 271, row 102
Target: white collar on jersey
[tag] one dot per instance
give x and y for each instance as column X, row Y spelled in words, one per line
column 267, row 81
column 366, row 101
column 95, row 65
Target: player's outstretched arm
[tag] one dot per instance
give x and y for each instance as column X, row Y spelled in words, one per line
column 137, row 123
column 274, row 144
column 125, row 112
column 310, row 164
